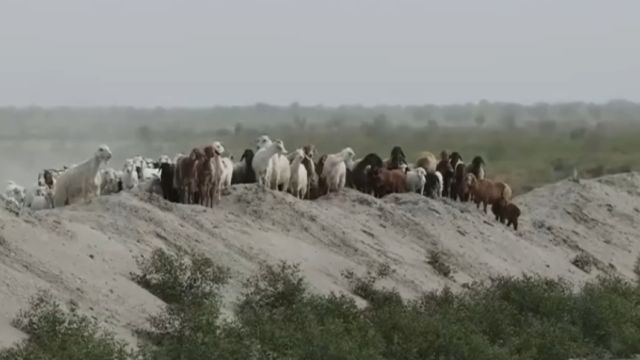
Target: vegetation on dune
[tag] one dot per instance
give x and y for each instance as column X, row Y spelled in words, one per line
column 278, row 317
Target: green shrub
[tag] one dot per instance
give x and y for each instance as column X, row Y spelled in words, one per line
column 55, row 333
column 178, row 279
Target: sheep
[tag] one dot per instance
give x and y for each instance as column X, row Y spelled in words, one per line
column 227, row 173
column 110, row 181
column 15, row 192
column 508, row 211
column 416, row 180
column 243, row 171
column 281, row 175
column 262, row 162
column 477, row 167
column 312, row 176
column 299, row 176
column 459, row 186
column 433, row 185
column 169, row 190
column 80, row 181
column 185, row 175
column 48, row 177
column 39, row 198
column 322, row 184
column 129, row 175
column 334, row 170
column 397, row 159
column 210, row 170
column 219, row 169
column 387, row 181
column 279, row 169
column 427, row 161
column 361, row 172
column 487, row 192
column 440, row 184
column 446, row 170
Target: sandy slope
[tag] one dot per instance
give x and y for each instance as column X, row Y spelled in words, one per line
column 84, row 253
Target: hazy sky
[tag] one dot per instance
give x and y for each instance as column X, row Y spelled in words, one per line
column 202, row 53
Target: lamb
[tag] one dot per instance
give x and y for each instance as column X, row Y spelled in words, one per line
column 129, row 175
column 80, row 181
column 334, row 171
column 15, row 192
column 487, row 192
column 39, row 198
column 506, row 211
column 299, row 180
column 110, row 181
column 416, row 180
column 262, row 162
column 388, row 181
column 243, row 171
column 210, row 170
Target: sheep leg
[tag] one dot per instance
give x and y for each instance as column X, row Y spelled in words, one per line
column 515, row 224
column 484, row 204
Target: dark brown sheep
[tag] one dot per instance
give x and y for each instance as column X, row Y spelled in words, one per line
column 487, row 192
column 322, row 184
column 169, row 191
column 506, row 211
column 185, row 176
column 446, row 169
column 360, row 174
column 459, row 187
column 388, row 181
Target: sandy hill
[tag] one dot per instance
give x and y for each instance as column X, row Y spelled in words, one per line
column 85, row 252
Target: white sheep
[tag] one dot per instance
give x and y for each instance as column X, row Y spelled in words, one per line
column 129, row 175
column 298, row 182
column 39, row 198
column 263, row 164
column 440, row 184
column 280, row 168
column 334, row 171
column 15, row 192
column 227, row 172
column 80, row 181
column 416, row 179
column 110, row 181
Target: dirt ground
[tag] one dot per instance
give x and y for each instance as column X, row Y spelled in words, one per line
column 85, row 253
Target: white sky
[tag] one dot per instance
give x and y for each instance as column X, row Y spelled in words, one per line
column 203, row 53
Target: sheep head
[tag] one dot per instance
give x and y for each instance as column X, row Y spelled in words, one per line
column 421, row 172
column 347, row 154
column 103, row 154
column 217, row 147
column 454, row 158
column 280, row 146
column 309, row 151
column 262, row 142
column 471, row 180
column 247, row 154
column 444, row 155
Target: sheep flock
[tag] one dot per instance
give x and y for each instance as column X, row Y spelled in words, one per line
column 204, row 174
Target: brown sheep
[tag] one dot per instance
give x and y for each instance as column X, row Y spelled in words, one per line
column 487, row 192
column 506, row 211
column 459, row 185
column 388, row 181
column 446, row 169
column 185, row 176
column 427, row 161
